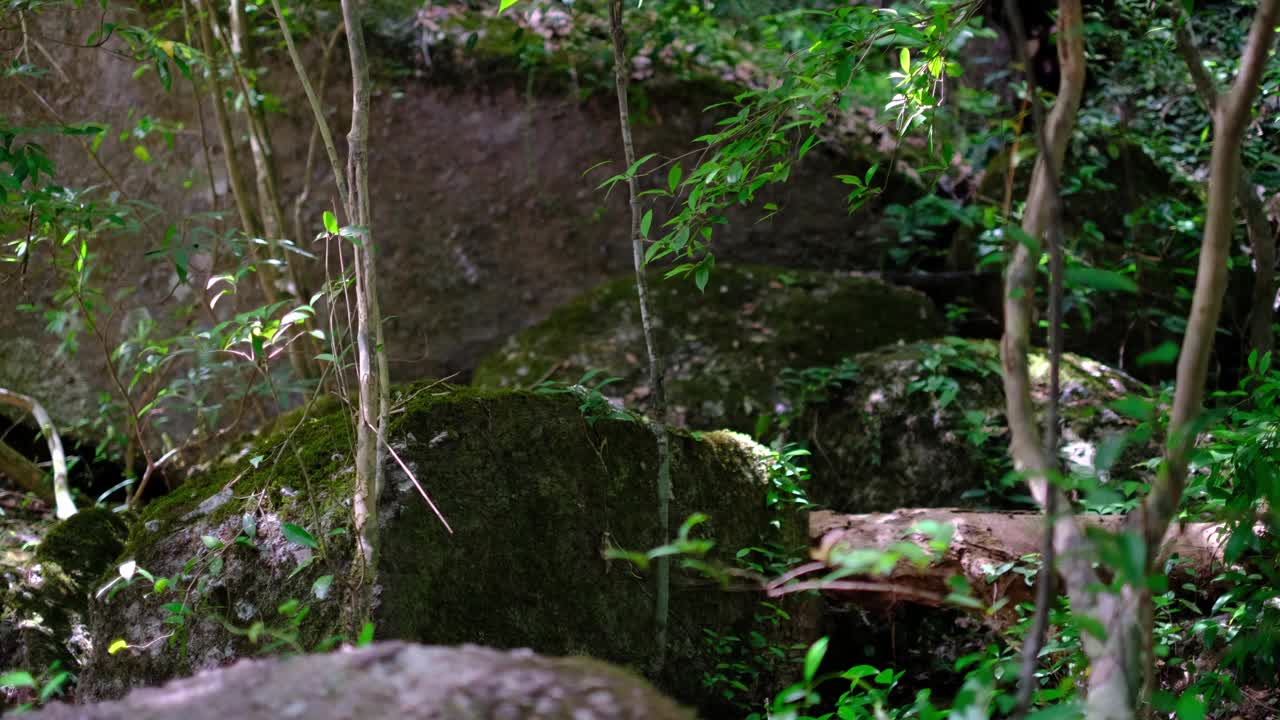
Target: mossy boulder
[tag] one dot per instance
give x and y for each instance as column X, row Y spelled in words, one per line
column 923, row 425
column 47, row 572
column 723, row 348
column 534, row 493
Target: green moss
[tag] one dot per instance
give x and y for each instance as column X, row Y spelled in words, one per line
column 85, row 544
column 724, row 347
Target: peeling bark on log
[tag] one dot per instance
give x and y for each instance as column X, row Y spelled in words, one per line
column 982, row 540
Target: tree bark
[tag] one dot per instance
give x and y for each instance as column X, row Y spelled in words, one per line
column 371, row 364
column 982, row 540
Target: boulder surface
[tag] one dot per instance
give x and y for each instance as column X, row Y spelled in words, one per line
column 395, row 680
column 723, row 348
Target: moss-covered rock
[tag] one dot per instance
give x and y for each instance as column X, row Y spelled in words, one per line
column 923, row 425
column 47, row 572
column 533, row 491
column 723, row 348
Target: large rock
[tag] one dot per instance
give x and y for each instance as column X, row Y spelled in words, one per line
column 534, row 492
column 923, row 425
column 723, row 348
column 395, row 680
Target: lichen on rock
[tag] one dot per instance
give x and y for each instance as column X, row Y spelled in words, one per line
column 723, row 348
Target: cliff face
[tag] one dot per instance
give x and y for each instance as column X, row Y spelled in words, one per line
column 485, row 220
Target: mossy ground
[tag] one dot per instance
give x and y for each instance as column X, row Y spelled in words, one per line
column 723, row 348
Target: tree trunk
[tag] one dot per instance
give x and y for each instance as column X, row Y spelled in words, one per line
column 663, row 574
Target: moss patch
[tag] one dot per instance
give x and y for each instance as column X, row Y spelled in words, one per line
column 85, row 544
column 723, row 348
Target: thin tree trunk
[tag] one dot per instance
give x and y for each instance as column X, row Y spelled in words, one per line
column 65, row 506
column 1261, row 240
column 663, row 579
column 249, row 220
column 373, row 383
column 240, row 52
column 1029, row 454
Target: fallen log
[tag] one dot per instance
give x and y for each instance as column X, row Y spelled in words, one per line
column 981, row 544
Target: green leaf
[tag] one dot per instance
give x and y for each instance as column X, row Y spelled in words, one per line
column 1163, row 355
column 1134, row 407
column 813, row 658
column 330, row 222
column 299, row 536
column 506, row 4
column 141, row 153
column 673, row 177
column 212, row 542
column 904, row 58
column 645, row 222
column 1190, row 707
column 116, row 646
column 366, row 632
column 17, row 679
column 320, row 588
column 1105, row 280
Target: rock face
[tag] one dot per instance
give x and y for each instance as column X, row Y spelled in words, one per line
column 395, row 680
column 44, row 595
column 723, row 348
column 922, row 425
column 534, row 492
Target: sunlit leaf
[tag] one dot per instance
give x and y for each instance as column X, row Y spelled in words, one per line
column 298, row 535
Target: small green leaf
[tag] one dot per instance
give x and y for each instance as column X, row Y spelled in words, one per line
column 20, row 678
column 904, row 58
column 116, row 646
column 298, row 536
column 1190, row 707
column 366, row 632
column 813, row 659
column 320, row 588
column 506, row 4
column 645, row 222
column 248, row 525
column 161, row 584
column 1105, row 280
column 673, row 177
column 330, row 222
column 141, row 153
column 1163, row 355
column 212, row 542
